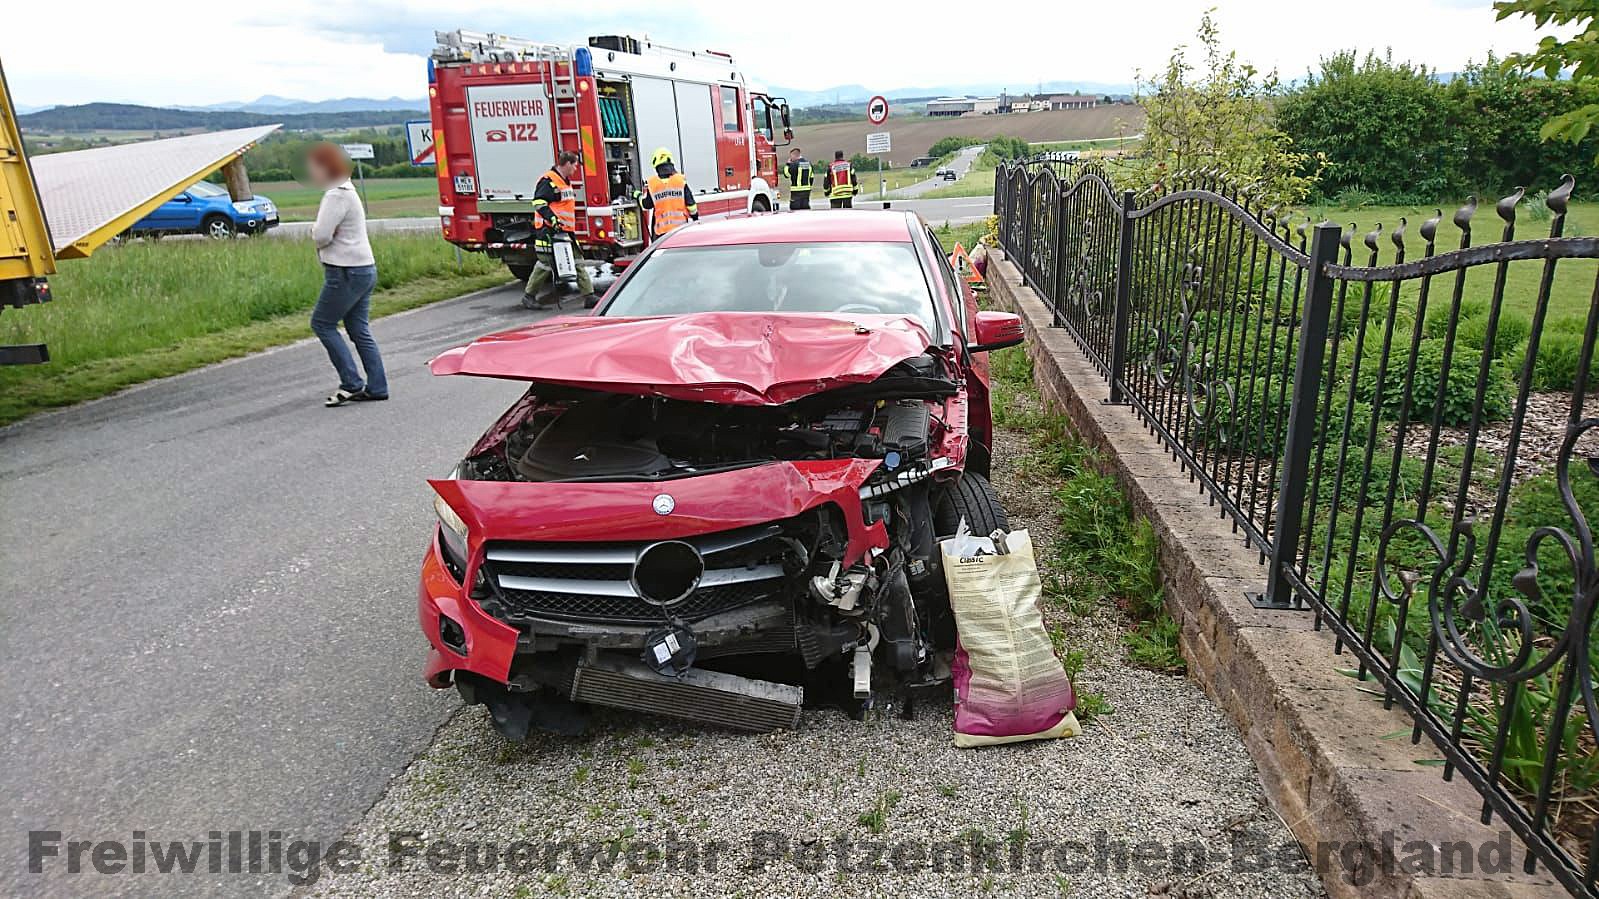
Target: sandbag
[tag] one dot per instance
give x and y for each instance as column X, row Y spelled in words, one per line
column 1009, row 686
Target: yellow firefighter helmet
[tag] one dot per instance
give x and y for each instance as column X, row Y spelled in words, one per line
column 661, row 157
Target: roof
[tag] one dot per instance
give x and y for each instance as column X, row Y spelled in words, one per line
column 821, row 226
column 90, row 196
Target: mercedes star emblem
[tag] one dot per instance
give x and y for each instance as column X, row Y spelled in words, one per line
column 664, row 504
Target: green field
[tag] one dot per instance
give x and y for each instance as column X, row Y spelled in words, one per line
column 975, row 183
column 1574, row 282
column 147, row 310
column 385, row 198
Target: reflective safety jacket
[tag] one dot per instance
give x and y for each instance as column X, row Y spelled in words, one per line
column 799, row 176
column 671, row 202
column 554, row 199
column 840, row 180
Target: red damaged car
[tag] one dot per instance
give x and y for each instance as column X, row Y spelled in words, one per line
column 721, row 494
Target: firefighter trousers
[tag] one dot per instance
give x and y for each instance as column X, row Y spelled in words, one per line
column 544, row 273
column 842, row 202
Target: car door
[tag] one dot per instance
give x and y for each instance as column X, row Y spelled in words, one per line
column 169, row 216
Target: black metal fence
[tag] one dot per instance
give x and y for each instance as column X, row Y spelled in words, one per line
column 1391, row 420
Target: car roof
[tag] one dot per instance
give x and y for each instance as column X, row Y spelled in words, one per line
column 821, row 226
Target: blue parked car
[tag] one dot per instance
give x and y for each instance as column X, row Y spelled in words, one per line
column 206, row 208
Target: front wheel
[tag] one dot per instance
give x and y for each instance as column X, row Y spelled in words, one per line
column 217, row 227
column 520, row 271
column 761, row 205
column 971, row 498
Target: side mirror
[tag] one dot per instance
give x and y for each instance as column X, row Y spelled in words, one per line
column 184, row 198
column 783, row 111
column 995, row 331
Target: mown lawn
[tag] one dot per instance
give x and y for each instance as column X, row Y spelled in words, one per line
column 386, row 198
column 1574, row 282
column 148, row 310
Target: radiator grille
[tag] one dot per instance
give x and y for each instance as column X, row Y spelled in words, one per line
column 591, row 581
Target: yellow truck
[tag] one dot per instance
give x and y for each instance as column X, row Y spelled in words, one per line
column 26, row 254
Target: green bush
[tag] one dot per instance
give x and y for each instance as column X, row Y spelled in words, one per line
column 947, row 145
column 1510, row 333
column 1460, row 389
column 1437, row 323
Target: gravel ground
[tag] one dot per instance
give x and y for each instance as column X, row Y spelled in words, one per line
column 847, row 808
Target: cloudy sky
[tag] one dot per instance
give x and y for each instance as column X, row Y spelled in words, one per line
column 187, row 52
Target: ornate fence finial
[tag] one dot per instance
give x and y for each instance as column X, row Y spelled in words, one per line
column 1370, row 240
column 1429, row 228
column 1560, row 196
column 1398, row 236
column 1506, row 207
column 1464, row 213
column 1346, row 237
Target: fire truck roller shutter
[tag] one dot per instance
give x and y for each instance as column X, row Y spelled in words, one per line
column 697, row 125
column 655, row 119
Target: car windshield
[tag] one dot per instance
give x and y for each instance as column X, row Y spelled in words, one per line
column 206, row 189
column 884, row 278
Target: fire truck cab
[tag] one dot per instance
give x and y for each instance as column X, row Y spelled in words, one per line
column 503, row 107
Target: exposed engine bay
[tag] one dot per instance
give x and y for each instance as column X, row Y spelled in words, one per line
column 842, row 603
column 571, row 434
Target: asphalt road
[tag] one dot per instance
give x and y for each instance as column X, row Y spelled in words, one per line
column 209, row 589
column 962, row 163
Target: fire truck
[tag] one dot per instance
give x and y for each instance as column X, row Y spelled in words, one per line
column 502, row 108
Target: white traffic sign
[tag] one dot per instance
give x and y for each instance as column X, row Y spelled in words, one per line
column 358, row 151
column 877, row 110
column 419, row 142
column 878, row 142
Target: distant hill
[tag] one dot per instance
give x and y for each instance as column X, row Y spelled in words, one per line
column 273, row 105
column 128, row 117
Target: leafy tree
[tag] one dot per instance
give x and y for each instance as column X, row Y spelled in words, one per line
column 948, row 145
column 1580, row 55
column 1219, row 116
column 1496, row 114
column 1381, row 126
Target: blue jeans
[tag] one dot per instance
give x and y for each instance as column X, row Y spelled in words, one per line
column 347, row 297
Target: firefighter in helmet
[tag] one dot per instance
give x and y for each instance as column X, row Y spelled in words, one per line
column 668, row 196
column 798, row 171
column 555, row 205
column 840, row 183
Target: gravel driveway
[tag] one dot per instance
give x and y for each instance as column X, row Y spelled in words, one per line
column 648, row 807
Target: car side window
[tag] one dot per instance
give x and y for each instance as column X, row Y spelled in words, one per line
column 952, row 284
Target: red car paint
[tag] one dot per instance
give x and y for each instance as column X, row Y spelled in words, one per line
column 821, row 226
column 742, row 358
column 619, row 511
column 729, row 358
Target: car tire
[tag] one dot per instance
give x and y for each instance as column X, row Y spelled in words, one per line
column 972, row 498
column 761, row 205
column 520, row 271
column 217, row 227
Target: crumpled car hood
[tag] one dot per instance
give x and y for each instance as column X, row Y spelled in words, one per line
column 740, row 358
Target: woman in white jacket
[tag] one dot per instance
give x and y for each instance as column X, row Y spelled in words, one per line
column 349, row 274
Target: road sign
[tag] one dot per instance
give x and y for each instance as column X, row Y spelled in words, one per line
column 419, row 141
column 877, row 110
column 358, row 151
column 878, row 142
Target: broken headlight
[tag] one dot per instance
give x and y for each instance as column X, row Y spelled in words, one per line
column 452, row 536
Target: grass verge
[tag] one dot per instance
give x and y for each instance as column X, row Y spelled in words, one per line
column 149, row 310
column 1104, row 552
